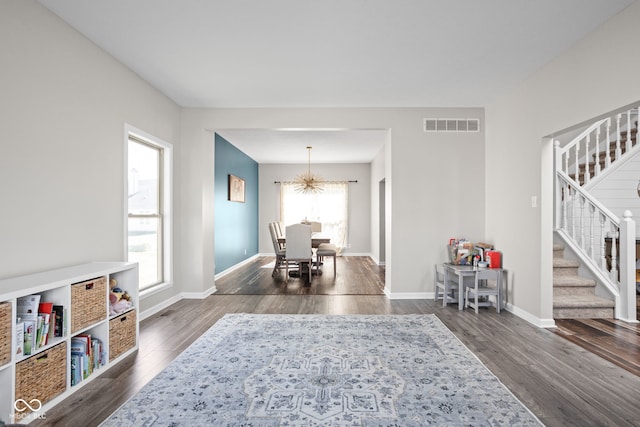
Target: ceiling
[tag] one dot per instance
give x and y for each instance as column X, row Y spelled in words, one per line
column 289, row 145
column 333, row 53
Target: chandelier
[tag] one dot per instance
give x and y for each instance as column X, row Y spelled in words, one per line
column 308, row 182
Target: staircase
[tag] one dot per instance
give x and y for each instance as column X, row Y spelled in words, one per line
column 574, row 296
column 600, row 159
column 595, row 234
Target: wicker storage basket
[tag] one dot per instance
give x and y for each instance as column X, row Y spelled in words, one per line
column 42, row 376
column 6, row 320
column 88, row 303
column 122, row 334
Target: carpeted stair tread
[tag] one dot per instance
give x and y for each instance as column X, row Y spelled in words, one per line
column 582, row 301
column 565, row 263
column 573, row 281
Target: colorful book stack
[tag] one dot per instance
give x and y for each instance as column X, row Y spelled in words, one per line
column 38, row 321
column 87, row 355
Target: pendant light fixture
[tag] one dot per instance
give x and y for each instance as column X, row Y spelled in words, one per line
column 308, row 182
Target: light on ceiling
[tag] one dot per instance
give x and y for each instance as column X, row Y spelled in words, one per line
column 308, row 182
column 638, row 188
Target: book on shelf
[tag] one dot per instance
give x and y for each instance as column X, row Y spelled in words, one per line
column 98, row 353
column 44, row 339
column 58, row 320
column 39, row 328
column 27, row 307
column 29, row 336
column 45, row 309
column 79, row 350
column 19, row 338
column 90, row 352
column 76, row 368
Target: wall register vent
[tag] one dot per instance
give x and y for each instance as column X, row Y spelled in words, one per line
column 451, row 125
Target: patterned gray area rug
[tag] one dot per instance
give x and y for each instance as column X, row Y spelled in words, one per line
column 325, row 370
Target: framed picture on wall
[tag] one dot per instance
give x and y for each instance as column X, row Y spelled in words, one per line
column 236, row 189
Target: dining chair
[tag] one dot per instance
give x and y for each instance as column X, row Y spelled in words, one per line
column 298, row 249
column 278, row 249
column 445, row 290
column 324, row 250
column 316, row 227
column 482, row 288
column 279, row 233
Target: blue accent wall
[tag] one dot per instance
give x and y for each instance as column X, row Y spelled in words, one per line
column 236, row 224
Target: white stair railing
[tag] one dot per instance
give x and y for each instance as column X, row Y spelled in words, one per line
column 597, row 235
column 589, row 154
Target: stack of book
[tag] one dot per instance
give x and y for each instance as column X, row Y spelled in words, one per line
column 37, row 321
column 87, row 355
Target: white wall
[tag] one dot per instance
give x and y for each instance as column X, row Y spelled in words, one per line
column 359, row 214
column 63, row 108
column 435, row 184
column 579, row 85
column 378, row 174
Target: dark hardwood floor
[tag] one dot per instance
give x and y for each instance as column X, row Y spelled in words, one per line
column 357, row 276
column 560, row 382
column 611, row 339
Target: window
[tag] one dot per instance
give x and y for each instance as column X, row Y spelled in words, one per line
column 148, row 166
column 328, row 207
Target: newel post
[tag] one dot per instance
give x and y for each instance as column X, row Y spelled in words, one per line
column 557, row 160
column 627, row 264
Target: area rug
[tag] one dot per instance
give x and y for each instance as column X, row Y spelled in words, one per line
column 325, row 370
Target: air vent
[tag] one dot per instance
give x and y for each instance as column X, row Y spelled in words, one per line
column 451, row 125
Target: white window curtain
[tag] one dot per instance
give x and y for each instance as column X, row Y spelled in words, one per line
column 329, row 207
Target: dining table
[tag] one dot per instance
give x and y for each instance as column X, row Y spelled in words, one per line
column 316, row 239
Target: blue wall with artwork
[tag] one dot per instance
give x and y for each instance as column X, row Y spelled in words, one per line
column 236, row 223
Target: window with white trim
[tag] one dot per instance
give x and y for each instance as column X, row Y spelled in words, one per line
column 148, row 202
column 329, row 206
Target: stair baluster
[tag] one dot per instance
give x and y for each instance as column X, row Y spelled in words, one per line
column 628, row 131
column 581, row 242
column 592, row 216
column 618, row 137
column 614, row 256
column 565, row 198
column 587, row 173
column 573, row 215
column 597, row 165
column 603, row 258
column 577, row 164
column 607, row 156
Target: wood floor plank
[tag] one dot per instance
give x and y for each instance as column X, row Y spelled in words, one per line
column 611, row 339
column 559, row 381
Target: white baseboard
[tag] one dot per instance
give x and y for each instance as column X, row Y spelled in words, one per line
column 159, row 307
column 534, row 320
column 174, row 299
column 199, row 295
column 356, row 254
column 409, row 295
column 236, row 266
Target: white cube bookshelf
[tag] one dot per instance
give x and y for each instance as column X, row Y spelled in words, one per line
column 55, row 286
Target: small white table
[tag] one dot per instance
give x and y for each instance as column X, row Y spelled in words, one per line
column 462, row 271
